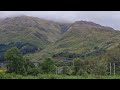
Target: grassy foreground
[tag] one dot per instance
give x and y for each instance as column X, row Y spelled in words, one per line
column 4, row 75
column 52, row 76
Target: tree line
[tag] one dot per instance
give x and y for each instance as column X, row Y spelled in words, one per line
column 98, row 66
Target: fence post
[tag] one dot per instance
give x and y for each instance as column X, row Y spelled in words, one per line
column 114, row 69
column 110, row 68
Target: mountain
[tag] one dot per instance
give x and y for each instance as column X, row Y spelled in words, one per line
column 84, row 36
column 38, row 38
column 31, row 29
column 82, row 39
column 29, row 34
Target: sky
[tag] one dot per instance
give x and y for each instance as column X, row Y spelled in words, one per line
column 105, row 18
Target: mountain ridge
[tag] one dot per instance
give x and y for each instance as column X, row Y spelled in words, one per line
column 49, row 38
column 81, row 39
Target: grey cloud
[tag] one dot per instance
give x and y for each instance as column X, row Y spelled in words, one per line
column 107, row 18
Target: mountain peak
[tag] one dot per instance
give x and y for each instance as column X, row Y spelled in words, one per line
column 87, row 23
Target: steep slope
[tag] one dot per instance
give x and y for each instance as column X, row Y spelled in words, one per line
column 86, row 36
column 82, row 39
column 31, row 29
column 27, row 33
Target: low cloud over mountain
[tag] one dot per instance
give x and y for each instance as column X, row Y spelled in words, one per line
column 106, row 18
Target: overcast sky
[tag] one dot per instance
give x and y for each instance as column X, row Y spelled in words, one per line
column 106, row 18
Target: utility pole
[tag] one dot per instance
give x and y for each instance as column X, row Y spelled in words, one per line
column 114, row 69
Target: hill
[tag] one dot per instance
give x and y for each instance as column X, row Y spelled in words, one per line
column 82, row 39
column 30, row 34
column 38, row 38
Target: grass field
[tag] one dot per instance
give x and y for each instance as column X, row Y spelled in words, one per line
column 2, row 70
column 52, row 76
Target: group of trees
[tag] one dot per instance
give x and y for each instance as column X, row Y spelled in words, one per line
column 99, row 66
column 90, row 67
column 68, row 55
column 25, row 48
column 82, row 67
column 19, row 65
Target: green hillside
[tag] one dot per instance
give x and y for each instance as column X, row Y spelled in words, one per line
column 31, row 29
column 38, row 38
column 29, row 34
column 82, row 39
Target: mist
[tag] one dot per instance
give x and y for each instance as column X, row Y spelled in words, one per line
column 105, row 18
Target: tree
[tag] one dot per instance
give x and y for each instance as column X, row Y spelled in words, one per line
column 90, row 66
column 15, row 61
column 48, row 66
column 28, row 65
